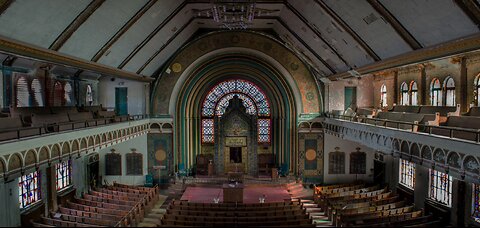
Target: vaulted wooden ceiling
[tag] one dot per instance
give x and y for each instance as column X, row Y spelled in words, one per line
column 334, row 36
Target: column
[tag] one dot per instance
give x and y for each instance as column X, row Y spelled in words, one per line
column 464, row 91
column 423, row 85
column 422, row 186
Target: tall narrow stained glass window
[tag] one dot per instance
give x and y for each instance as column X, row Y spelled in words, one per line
column 63, row 174
column 68, row 96
column 208, row 131
column 441, row 187
column 413, row 93
column 477, row 90
column 449, row 85
column 476, row 202
column 383, row 96
column 89, row 96
column 22, row 92
column 407, row 174
column 404, row 98
column 436, row 93
column 29, row 189
column 263, row 130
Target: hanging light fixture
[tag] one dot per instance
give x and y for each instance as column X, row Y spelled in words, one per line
column 233, row 14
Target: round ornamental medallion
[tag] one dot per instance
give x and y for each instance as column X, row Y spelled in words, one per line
column 294, row 66
column 177, row 67
column 311, row 154
column 160, row 155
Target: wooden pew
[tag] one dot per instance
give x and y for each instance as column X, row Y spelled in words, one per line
column 83, row 220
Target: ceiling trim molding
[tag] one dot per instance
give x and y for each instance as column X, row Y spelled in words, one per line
column 392, row 20
column 165, row 45
column 123, row 30
column 455, row 47
column 348, row 29
column 29, row 51
column 76, row 23
column 5, row 6
column 471, row 8
column 152, row 34
column 307, row 23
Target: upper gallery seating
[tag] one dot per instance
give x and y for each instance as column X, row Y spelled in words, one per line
column 114, row 206
column 438, row 120
column 31, row 121
column 278, row 214
column 357, row 205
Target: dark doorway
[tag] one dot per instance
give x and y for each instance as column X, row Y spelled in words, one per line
column 379, row 172
column 121, row 102
column 94, row 180
column 235, row 154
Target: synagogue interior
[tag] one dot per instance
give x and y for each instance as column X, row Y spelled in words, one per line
column 240, row 113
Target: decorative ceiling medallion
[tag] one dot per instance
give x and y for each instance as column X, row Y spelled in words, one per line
column 294, row 66
column 160, row 155
column 311, row 154
column 177, row 67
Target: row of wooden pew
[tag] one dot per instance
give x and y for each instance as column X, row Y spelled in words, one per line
column 113, row 206
column 279, row 214
column 359, row 205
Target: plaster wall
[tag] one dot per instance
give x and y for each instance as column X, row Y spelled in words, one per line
column 348, row 147
column 336, row 92
column 139, row 143
column 136, row 94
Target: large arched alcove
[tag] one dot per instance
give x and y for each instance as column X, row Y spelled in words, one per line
column 197, row 68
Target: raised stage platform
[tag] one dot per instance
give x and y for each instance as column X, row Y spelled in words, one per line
column 251, row 194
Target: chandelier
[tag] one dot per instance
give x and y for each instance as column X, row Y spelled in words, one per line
column 233, row 14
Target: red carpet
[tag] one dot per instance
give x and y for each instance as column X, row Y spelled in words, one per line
column 250, row 194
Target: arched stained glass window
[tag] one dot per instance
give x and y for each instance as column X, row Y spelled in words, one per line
column 253, row 99
column 436, row 93
column 37, row 92
column 383, row 95
column 441, row 187
column 477, row 90
column 68, row 94
column 238, row 86
column 58, row 94
column 404, row 98
column 224, row 101
column 89, row 96
column 23, row 94
column 449, row 85
column 29, row 189
column 413, row 93
column 63, row 174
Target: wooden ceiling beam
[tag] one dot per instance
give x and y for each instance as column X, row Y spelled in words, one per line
column 76, row 23
column 28, row 51
column 471, row 8
column 399, row 28
column 4, row 5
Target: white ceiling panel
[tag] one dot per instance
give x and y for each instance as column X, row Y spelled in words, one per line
column 371, row 27
column 339, row 39
column 169, row 50
column 158, row 40
column 100, row 27
column 39, row 22
column 432, row 21
column 138, row 32
column 300, row 49
column 313, row 41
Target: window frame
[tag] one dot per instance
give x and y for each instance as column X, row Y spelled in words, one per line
column 436, row 93
column 413, row 93
column 449, row 91
column 404, row 94
column 383, row 96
